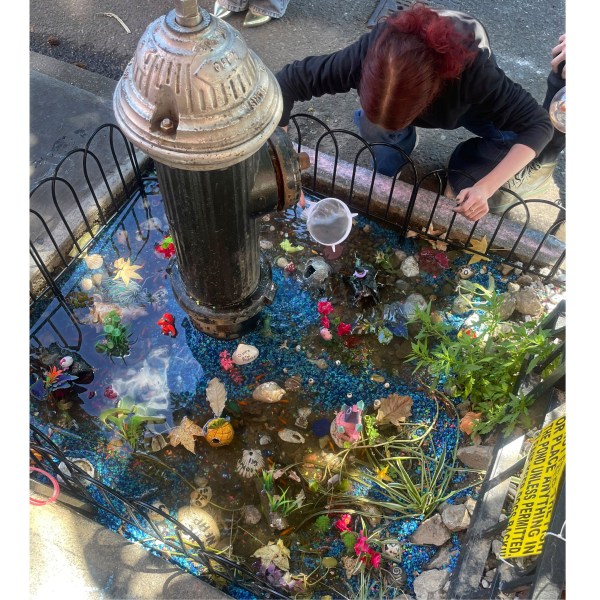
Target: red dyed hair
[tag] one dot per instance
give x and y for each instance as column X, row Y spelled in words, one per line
column 405, row 68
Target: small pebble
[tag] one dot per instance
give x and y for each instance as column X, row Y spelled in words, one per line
column 386, row 385
column 349, row 395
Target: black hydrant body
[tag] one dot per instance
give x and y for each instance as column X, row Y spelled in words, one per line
column 206, row 109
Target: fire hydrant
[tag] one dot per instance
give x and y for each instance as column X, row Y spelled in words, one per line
column 205, row 108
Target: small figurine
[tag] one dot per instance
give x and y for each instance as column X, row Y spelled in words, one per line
column 167, row 325
column 346, row 427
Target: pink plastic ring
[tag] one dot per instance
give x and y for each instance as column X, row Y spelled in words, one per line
column 54, row 496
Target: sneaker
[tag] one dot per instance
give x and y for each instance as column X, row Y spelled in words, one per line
column 529, row 182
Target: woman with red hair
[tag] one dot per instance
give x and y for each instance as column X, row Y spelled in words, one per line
column 431, row 68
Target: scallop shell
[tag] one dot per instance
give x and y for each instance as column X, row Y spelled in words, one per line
column 200, row 497
column 244, row 354
column 250, row 464
column 94, row 261
column 86, row 284
column 97, row 279
column 199, row 522
column 289, row 435
column 268, row 392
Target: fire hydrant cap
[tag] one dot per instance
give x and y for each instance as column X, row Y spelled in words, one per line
column 196, row 97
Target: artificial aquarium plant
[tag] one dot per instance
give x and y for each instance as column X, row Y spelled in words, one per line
column 115, row 341
column 481, row 363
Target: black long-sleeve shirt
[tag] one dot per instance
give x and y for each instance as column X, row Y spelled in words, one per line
column 483, row 93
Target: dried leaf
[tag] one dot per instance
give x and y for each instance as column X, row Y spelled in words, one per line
column 277, row 554
column 184, row 435
column 480, row 246
column 394, row 409
column 126, row 271
column 216, row 394
column 468, row 422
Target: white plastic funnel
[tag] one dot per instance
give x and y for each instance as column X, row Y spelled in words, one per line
column 328, row 221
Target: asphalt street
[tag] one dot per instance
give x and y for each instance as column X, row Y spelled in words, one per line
column 522, row 33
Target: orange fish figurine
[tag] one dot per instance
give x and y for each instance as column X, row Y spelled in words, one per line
column 167, row 324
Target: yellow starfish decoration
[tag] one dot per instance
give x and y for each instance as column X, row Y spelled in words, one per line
column 382, row 474
column 126, row 271
column 184, row 435
column 480, row 246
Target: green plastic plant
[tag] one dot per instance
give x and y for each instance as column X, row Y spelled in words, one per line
column 323, row 523
column 281, row 505
column 481, row 366
column 267, row 480
column 116, row 337
column 370, row 429
column 127, row 421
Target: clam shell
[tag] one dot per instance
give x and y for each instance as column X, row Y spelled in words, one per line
column 289, row 435
column 86, row 284
column 94, row 261
column 244, row 354
column 268, row 392
column 250, row 464
column 97, row 279
column 199, row 522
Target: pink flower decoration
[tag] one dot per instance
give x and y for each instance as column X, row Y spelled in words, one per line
column 325, row 322
column 361, row 545
column 344, row 329
column 343, row 523
column 324, row 308
column 326, row 334
column 375, row 557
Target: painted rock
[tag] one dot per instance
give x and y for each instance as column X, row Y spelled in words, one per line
column 218, row 432
column 268, row 392
column 200, row 523
column 250, row 464
column 466, row 272
column 289, row 435
column 200, row 497
column 244, row 354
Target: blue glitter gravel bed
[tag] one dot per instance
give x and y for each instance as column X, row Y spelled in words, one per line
column 168, row 376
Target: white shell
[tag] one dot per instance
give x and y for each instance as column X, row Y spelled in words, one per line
column 264, row 440
column 86, row 284
column 94, row 261
column 244, row 354
column 250, row 464
column 97, row 279
column 268, row 392
column 466, row 272
column 65, row 362
column 199, row 522
column 289, row 435
column 201, row 496
column 84, row 464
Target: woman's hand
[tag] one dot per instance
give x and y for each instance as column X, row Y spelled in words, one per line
column 472, row 203
column 559, row 55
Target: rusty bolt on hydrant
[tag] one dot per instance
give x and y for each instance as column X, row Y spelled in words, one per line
column 199, row 102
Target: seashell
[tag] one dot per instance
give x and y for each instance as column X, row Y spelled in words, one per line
column 200, row 523
column 94, row 261
column 466, row 272
column 289, row 435
column 97, row 279
column 84, row 464
column 65, row 362
column 304, row 411
column 293, row 383
column 282, row 262
column 251, row 515
column 86, row 284
column 244, row 354
column 321, row 363
column 302, row 420
column 264, row 440
column 201, row 496
column 157, row 443
column 268, row 392
column 154, row 516
column 250, row 464
column 393, row 549
column 377, row 378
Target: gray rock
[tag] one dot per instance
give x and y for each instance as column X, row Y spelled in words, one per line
column 460, row 306
column 251, row 515
column 456, row 517
column 525, row 280
column 507, row 304
column 413, row 302
column 400, row 255
column 431, row 531
column 402, row 285
column 528, row 302
column 430, row 584
column 441, row 559
column 513, row 287
column 476, row 457
column 410, row 267
column 470, row 504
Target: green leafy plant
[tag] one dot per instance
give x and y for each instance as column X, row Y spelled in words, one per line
column 481, row 366
column 127, row 421
column 116, row 337
column 267, row 480
column 370, row 430
column 281, row 505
